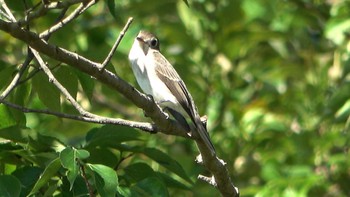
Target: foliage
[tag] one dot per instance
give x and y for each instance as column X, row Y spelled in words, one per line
column 272, row 76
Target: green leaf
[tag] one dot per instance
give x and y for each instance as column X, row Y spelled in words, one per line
column 14, row 134
column 109, row 135
column 171, row 182
column 48, row 93
column 102, row 155
column 86, row 83
column 9, row 186
column 124, row 191
column 138, row 171
column 151, row 186
column 186, row 2
column 6, row 118
column 105, row 178
column 82, row 154
column 27, row 175
column 44, row 143
column 68, row 78
column 190, row 20
column 4, row 76
column 69, row 158
column 167, row 162
column 79, row 188
column 111, row 7
column 48, row 173
column 337, row 30
column 21, row 97
column 22, row 93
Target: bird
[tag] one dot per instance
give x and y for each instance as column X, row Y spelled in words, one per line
column 158, row 78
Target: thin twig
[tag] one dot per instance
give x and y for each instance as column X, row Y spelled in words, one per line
column 66, row 20
column 23, row 67
column 2, row 13
column 122, row 159
column 144, row 126
column 116, row 44
column 16, row 78
column 63, row 90
column 8, row 11
column 44, row 8
column 83, row 174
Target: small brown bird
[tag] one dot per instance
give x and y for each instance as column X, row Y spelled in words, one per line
column 158, row 78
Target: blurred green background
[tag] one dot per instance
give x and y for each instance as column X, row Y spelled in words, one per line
column 272, row 76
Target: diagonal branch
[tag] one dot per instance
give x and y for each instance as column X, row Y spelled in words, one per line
column 79, row 10
column 16, row 78
column 115, row 46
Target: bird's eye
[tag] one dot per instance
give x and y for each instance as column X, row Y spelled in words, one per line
column 154, row 42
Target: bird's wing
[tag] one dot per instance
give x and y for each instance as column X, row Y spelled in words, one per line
column 166, row 72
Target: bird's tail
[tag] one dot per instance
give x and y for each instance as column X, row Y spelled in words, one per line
column 204, row 135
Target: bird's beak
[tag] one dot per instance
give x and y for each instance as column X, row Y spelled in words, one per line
column 140, row 39
column 142, row 44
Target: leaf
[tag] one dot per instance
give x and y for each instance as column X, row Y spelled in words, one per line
column 102, row 155
column 105, row 178
column 138, row 171
column 68, row 79
column 4, row 76
column 49, row 95
column 14, row 134
column 9, row 186
column 6, row 118
column 186, row 2
column 171, row 182
column 21, row 97
column 167, row 162
column 109, row 135
column 27, row 175
column 111, row 7
column 45, row 143
column 48, row 173
column 79, row 188
column 336, row 30
column 86, row 83
column 82, row 154
column 151, row 186
column 22, row 93
column 69, row 158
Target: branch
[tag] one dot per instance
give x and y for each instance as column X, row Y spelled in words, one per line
column 115, row 46
column 150, row 128
column 17, row 77
column 87, row 183
column 44, row 8
column 217, row 167
column 79, row 10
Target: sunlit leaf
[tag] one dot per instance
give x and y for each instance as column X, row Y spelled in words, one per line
column 105, row 178
column 48, row 173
